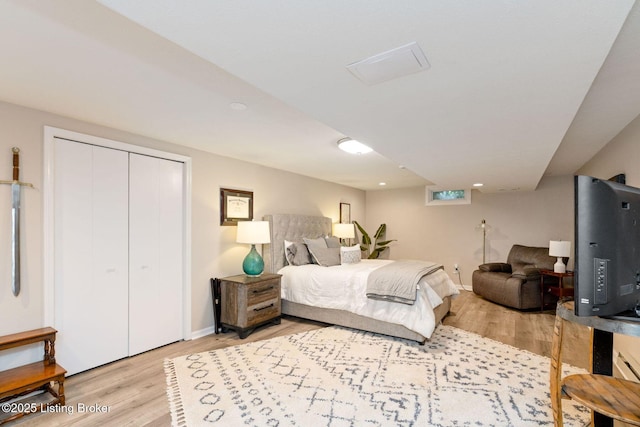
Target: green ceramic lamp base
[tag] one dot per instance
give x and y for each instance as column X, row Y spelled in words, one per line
column 253, row 264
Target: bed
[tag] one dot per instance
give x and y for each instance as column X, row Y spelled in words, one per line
column 291, row 227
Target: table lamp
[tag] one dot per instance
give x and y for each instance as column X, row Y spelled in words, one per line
column 253, row 233
column 560, row 249
column 344, row 231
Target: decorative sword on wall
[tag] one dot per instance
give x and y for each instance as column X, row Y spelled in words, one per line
column 16, row 185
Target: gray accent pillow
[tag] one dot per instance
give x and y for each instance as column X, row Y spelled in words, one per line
column 287, row 243
column 326, row 257
column 298, row 254
column 315, row 243
column 332, row 242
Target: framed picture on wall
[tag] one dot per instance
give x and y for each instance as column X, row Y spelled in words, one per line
column 345, row 213
column 235, row 205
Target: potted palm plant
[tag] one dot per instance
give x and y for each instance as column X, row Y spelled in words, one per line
column 373, row 247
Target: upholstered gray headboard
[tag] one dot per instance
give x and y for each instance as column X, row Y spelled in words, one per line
column 293, row 228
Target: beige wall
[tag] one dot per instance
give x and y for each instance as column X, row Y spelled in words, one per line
column 621, row 155
column 214, row 252
column 450, row 234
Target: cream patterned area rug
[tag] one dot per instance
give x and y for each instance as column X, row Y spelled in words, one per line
column 342, row 377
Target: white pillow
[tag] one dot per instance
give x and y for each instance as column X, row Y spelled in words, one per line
column 350, row 254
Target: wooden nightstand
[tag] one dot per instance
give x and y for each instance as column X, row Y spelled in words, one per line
column 248, row 302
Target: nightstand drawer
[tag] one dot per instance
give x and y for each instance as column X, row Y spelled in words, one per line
column 263, row 311
column 263, row 291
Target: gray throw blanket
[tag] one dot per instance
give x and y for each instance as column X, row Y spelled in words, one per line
column 398, row 281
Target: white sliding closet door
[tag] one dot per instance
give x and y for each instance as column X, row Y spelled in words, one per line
column 156, row 252
column 91, row 254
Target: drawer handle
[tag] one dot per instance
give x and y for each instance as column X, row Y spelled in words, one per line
column 263, row 308
column 262, row 291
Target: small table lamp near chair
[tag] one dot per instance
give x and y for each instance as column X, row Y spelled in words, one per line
column 253, row 233
column 560, row 249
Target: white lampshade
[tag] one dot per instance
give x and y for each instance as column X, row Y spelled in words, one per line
column 560, row 249
column 253, row 232
column 344, row 231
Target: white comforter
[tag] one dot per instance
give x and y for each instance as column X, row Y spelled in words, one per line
column 343, row 287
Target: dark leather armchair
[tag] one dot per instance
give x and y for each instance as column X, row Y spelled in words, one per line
column 515, row 283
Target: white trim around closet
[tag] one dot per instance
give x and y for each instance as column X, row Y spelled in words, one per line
column 48, row 221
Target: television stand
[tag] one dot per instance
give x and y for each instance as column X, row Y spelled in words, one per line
column 629, row 316
column 609, row 398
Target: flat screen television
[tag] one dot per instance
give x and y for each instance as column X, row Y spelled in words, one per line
column 607, row 240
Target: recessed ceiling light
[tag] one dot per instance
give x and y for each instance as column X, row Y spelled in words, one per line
column 352, row 146
column 382, row 184
column 238, row 106
column 478, row 184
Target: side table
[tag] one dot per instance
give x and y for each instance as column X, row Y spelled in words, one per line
column 560, row 290
column 608, row 397
column 248, row 302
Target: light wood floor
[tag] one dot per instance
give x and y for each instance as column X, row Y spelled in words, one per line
column 134, row 389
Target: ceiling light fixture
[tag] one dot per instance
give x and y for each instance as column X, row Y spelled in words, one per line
column 352, row 146
column 238, row 106
column 394, row 63
column 478, row 184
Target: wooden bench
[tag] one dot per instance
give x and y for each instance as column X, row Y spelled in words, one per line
column 27, row 379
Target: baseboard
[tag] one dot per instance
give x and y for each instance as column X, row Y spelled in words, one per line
column 203, row 332
column 462, row 287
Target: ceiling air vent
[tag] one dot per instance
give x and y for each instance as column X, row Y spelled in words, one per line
column 394, row 63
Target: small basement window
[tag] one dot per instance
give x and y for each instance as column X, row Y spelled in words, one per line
column 437, row 197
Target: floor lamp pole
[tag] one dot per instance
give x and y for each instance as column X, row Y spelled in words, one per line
column 483, row 224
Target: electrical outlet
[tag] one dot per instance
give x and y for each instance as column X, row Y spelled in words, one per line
column 456, row 268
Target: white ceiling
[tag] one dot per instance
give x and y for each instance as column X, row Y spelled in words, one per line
column 514, row 89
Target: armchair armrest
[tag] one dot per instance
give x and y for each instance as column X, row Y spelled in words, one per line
column 527, row 272
column 499, row 267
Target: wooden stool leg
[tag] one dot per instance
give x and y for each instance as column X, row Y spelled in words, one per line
column 556, row 371
column 61, row 391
